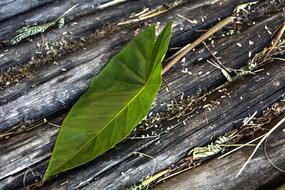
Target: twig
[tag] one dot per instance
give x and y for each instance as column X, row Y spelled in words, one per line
column 276, row 40
column 61, row 16
column 267, row 157
column 147, row 181
column 259, row 144
column 170, row 91
column 154, row 164
column 219, row 63
column 143, row 17
column 51, row 124
column 236, row 145
column 34, row 174
column 236, row 149
column 278, row 58
column 109, row 4
column 174, row 174
column 148, row 137
column 225, row 73
column 247, row 120
column 185, row 18
column 181, row 53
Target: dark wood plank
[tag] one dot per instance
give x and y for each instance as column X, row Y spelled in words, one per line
column 179, row 138
column 258, row 92
column 10, row 8
column 46, row 14
column 81, row 26
column 221, row 174
column 51, row 89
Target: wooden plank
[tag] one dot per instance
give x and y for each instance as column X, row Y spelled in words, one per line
column 177, row 141
column 40, row 140
column 10, row 8
column 100, row 21
column 221, row 174
column 258, row 92
column 173, row 145
column 47, row 88
column 47, row 13
column 51, row 89
column 198, row 130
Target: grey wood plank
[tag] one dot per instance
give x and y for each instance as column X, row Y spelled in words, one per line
column 10, row 8
column 222, row 173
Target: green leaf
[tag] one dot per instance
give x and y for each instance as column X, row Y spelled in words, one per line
column 116, row 101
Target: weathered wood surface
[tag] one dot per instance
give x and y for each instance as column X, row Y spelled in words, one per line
column 173, row 145
column 119, row 168
column 221, row 174
column 10, row 8
column 51, row 90
column 282, row 187
column 76, row 30
column 48, row 13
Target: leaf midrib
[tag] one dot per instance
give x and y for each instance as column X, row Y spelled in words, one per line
column 139, row 92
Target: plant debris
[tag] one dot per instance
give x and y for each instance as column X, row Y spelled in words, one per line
column 28, row 31
column 147, row 13
column 249, row 127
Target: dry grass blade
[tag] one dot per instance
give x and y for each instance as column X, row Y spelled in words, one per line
column 174, row 174
column 147, row 182
column 219, row 63
column 276, row 40
column 260, row 142
column 268, row 158
column 277, row 58
column 243, row 145
column 182, row 52
column 170, row 91
column 111, row 3
column 147, row 13
column 155, row 177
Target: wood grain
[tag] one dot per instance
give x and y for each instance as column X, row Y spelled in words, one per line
column 221, row 174
column 53, row 88
column 10, row 8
